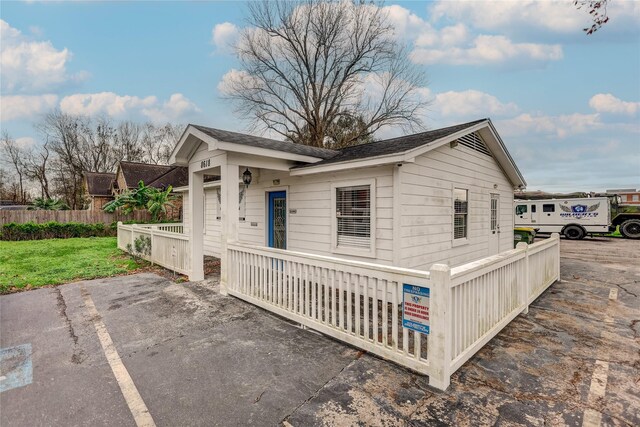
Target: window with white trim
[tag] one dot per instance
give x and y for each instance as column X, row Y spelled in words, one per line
column 353, row 214
column 460, row 213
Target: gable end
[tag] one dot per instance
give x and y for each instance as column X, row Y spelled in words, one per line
column 475, row 142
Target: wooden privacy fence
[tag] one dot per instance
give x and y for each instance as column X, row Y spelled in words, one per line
column 360, row 303
column 169, row 247
column 84, row 216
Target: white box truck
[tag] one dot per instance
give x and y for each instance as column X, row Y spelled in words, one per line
column 573, row 218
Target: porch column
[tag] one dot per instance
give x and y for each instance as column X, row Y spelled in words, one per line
column 229, row 197
column 196, row 224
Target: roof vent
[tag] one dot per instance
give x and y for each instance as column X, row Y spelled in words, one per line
column 475, row 142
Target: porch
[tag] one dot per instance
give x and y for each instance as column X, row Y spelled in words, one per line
column 360, row 303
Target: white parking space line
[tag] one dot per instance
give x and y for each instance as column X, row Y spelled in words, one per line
column 131, row 395
column 591, row 417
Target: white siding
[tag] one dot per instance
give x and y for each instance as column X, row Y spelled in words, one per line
column 310, row 196
column 427, row 208
column 424, row 230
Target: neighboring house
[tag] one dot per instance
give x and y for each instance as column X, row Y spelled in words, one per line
column 129, row 174
column 442, row 196
column 628, row 196
column 98, row 188
column 101, row 188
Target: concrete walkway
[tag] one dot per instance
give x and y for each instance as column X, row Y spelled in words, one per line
column 194, row 357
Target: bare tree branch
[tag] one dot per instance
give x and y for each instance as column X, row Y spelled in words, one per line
column 306, row 65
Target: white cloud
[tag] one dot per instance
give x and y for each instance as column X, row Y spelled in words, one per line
column 233, row 77
column 29, row 66
column 14, row 107
column 178, row 106
column 607, row 103
column 560, row 126
column 25, row 142
column 471, row 103
column 224, row 36
column 109, row 103
column 540, row 16
column 457, row 44
column 125, row 106
column 486, row 49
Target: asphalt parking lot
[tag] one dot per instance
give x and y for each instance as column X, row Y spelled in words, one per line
column 185, row 355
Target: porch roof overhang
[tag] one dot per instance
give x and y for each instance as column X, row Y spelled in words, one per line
column 194, row 135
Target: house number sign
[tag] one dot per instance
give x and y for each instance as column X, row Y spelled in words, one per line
column 205, row 163
column 415, row 307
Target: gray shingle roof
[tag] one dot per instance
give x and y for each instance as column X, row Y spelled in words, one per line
column 134, row 172
column 271, row 144
column 392, row 146
column 99, row 184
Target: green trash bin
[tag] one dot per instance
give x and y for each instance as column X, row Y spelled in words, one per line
column 523, row 234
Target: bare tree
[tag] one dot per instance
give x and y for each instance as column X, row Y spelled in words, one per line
column 35, row 168
column 127, row 144
column 307, row 65
column 157, row 142
column 13, row 156
column 598, row 11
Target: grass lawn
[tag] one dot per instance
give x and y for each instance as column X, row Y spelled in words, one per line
column 36, row 263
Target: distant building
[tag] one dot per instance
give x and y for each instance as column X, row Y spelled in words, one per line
column 98, row 188
column 628, row 196
column 101, row 188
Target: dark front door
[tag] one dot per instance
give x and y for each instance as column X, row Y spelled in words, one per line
column 278, row 219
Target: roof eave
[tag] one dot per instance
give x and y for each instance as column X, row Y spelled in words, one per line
column 180, row 157
column 407, row 156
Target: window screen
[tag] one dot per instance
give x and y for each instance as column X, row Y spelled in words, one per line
column 353, row 213
column 549, row 208
column 460, row 213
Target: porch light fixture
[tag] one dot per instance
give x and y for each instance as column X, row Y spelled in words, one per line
column 246, row 177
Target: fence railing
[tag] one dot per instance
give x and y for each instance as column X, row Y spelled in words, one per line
column 360, row 303
column 355, row 302
column 169, row 247
column 171, row 227
column 83, row 216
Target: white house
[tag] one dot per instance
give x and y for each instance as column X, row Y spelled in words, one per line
column 442, row 196
column 401, row 247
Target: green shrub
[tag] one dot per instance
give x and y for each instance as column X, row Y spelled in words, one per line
column 53, row 230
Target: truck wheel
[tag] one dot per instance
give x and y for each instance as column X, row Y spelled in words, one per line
column 630, row 229
column 573, row 232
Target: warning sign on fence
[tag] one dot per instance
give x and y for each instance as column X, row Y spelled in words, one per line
column 415, row 308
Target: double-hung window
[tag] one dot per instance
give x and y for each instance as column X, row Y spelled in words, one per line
column 353, row 222
column 460, row 213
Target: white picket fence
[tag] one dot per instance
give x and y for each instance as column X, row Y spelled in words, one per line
column 360, row 303
column 169, row 247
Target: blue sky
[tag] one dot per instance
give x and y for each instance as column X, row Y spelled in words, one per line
column 567, row 105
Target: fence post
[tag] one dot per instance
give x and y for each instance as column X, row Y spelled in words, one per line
column 527, row 277
column 439, row 354
column 133, row 243
column 556, row 236
column 153, row 244
column 118, row 233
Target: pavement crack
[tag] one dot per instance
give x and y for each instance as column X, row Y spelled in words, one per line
column 62, row 310
column 626, row 290
column 78, row 355
column 317, row 392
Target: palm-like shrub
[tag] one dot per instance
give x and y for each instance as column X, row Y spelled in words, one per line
column 43, row 204
column 152, row 199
